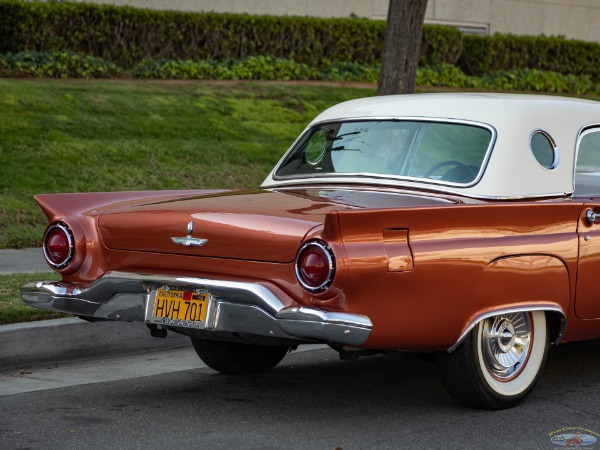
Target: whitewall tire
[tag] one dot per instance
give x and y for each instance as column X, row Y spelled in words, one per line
column 499, row 362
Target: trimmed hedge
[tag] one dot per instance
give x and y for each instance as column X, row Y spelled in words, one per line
column 533, row 80
column 486, row 54
column 253, row 68
column 445, row 75
column 127, row 36
column 440, row 45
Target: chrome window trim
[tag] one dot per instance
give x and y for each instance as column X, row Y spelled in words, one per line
column 482, row 168
column 588, row 129
column 556, row 155
column 337, row 182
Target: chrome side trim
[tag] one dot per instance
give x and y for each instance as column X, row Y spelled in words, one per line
column 238, row 307
column 550, row 308
column 367, row 180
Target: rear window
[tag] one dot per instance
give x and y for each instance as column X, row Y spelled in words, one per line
column 451, row 153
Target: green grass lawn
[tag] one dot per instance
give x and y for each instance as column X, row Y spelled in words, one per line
column 12, row 308
column 78, row 136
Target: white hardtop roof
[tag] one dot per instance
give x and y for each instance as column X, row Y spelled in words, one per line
column 512, row 171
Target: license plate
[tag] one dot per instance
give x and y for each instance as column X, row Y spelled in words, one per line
column 178, row 307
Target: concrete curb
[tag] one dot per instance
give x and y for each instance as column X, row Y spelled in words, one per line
column 50, row 341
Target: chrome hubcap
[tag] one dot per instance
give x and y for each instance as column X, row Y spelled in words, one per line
column 505, row 344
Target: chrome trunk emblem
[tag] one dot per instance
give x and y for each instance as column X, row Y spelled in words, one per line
column 189, row 241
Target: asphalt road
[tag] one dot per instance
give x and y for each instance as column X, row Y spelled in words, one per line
column 311, row 401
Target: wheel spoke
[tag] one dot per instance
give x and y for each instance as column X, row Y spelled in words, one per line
column 506, row 341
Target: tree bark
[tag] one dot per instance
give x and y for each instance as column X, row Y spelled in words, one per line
column 403, row 34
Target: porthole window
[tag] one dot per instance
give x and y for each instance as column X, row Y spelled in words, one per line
column 544, row 149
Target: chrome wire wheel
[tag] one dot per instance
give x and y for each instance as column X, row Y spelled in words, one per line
column 511, row 349
column 506, row 344
column 499, row 361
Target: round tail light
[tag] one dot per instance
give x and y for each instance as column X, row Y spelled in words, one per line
column 58, row 245
column 315, row 266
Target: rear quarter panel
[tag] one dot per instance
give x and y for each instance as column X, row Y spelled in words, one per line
column 467, row 260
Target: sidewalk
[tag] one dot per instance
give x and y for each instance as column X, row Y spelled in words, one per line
column 28, row 260
column 46, row 341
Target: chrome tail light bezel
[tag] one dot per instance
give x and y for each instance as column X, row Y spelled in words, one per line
column 327, row 252
column 70, row 241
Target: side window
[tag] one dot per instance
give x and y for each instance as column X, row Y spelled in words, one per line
column 587, row 169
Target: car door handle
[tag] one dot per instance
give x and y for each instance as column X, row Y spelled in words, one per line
column 591, row 216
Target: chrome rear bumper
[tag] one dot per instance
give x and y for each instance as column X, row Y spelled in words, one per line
column 237, row 307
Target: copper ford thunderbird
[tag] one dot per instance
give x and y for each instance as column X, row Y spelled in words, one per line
column 461, row 226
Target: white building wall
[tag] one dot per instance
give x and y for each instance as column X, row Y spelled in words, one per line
column 575, row 19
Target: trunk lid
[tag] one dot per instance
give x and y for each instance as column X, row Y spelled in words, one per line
column 257, row 225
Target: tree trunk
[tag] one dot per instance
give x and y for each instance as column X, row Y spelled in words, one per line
column 403, row 36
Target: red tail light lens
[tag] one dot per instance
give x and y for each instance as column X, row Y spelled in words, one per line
column 315, row 266
column 58, row 245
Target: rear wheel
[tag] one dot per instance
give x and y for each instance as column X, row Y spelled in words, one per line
column 234, row 358
column 499, row 362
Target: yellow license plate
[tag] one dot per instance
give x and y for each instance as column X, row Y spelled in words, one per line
column 180, row 308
